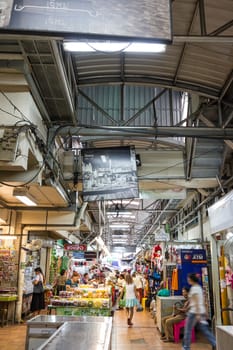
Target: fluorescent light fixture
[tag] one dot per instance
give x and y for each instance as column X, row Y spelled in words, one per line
column 145, row 47
column 119, row 226
column 7, row 237
column 124, row 202
column 22, row 195
column 112, row 46
column 119, row 213
column 229, row 235
column 120, row 240
column 120, row 236
column 103, row 158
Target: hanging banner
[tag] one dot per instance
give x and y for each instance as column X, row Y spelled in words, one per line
column 76, row 247
column 109, row 173
column 221, row 213
column 116, row 18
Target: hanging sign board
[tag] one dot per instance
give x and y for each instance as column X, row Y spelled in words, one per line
column 76, row 247
column 143, row 19
column 109, row 173
column 221, row 213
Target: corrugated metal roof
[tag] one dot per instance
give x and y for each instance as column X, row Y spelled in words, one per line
column 190, row 66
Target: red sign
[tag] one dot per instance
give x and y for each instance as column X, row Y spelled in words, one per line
column 76, row 247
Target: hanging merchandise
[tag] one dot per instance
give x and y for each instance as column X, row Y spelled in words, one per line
column 223, row 287
column 9, row 259
column 228, row 251
column 156, row 275
column 156, row 251
column 175, row 280
column 156, row 257
column 229, row 284
column 54, row 266
column 221, row 223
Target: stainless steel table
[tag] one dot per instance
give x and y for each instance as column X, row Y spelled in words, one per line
column 42, row 327
column 224, row 335
column 81, row 335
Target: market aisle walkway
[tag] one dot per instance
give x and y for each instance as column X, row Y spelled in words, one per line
column 143, row 335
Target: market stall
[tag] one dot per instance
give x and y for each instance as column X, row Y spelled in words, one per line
column 83, row 300
column 9, row 260
column 221, row 224
column 164, row 307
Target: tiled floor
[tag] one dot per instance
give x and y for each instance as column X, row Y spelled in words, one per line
column 143, row 335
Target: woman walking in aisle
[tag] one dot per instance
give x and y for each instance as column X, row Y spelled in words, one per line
column 130, row 298
column 38, row 302
column 196, row 314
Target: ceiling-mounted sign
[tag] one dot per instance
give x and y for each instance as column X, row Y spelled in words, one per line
column 143, row 19
column 109, row 173
column 221, row 213
column 76, row 247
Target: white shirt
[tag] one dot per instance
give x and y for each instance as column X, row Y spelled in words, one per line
column 138, row 281
column 194, row 306
column 129, row 291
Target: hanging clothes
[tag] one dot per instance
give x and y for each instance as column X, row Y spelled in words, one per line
column 175, row 284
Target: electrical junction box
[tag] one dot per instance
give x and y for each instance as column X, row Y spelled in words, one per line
column 8, row 145
column 14, row 150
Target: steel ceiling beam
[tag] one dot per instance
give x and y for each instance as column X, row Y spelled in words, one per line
column 144, row 108
column 63, row 76
column 222, row 28
column 187, row 86
column 93, row 103
column 160, row 131
column 181, row 58
column 223, row 39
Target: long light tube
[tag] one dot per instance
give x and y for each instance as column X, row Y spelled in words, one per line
column 26, row 200
column 23, row 196
column 7, row 237
column 111, row 46
column 119, row 226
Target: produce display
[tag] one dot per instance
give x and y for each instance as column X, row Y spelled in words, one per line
column 85, row 300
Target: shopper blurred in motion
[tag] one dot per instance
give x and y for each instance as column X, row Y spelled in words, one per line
column 196, row 314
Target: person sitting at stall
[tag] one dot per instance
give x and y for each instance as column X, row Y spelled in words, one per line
column 85, row 279
column 179, row 314
column 73, row 281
